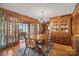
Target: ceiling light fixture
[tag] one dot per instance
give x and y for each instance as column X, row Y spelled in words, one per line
column 43, row 18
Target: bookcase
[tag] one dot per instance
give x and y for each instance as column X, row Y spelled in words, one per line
column 9, row 28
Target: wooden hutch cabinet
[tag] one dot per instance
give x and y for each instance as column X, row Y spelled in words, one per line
column 61, row 29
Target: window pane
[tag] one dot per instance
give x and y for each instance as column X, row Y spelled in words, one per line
column 23, row 27
column 20, row 27
column 31, row 28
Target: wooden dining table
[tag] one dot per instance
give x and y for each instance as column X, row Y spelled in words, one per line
column 41, row 40
column 39, row 37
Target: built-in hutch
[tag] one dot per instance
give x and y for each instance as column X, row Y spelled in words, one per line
column 60, row 28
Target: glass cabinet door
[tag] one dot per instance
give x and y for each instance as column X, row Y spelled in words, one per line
column 16, row 29
column 10, row 30
column 3, row 41
column 56, row 26
column 13, row 30
column 64, row 26
column 6, row 32
column 0, row 30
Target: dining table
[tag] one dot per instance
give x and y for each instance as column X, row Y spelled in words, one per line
column 39, row 37
column 41, row 40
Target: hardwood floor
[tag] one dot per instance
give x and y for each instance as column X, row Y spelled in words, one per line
column 12, row 50
column 19, row 50
column 57, row 50
column 62, row 50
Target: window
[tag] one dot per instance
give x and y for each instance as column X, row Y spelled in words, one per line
column 23, row 27
column 31, row 28
column 34, row 28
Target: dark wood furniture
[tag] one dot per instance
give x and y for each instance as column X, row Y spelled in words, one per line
column 62, row 39
column 43, row 43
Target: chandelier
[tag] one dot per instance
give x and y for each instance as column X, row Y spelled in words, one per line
column 43, row 19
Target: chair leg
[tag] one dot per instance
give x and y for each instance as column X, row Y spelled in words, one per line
column 24, row 52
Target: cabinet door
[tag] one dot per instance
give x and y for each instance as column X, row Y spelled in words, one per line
column 64, row 26
column 3, row 41
column 16, row 29
column 10, row 30
column 67, row 40
column 0, row 30
column 55, row 26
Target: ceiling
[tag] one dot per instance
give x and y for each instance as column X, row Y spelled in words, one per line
column 34, row 10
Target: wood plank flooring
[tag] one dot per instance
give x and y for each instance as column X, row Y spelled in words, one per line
column 57, row 50
column 62, row 50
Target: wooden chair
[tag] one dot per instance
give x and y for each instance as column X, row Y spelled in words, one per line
column 25, row 35
column 48, row 46
column 28, row 42
column 31, row 43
